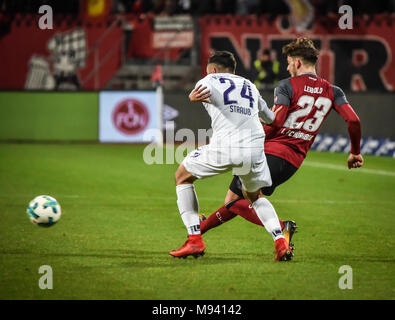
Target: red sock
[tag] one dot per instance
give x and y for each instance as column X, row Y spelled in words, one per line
column 244, row 209
column 216, row 218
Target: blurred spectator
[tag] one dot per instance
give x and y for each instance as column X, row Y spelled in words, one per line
column 32, row 6
column 362, row 7
column 225, row 6
column 274, row 8
column 247, row 7
column 302, row 14
column 201, row 7
column 326, row 8
column 300, row 10
column 142, row 6
column 185, row 5
column 118, row 6
column 267, row 69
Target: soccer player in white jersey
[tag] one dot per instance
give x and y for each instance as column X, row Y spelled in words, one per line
column 237, row 144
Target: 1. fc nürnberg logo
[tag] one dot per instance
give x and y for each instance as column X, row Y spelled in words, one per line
column 130, row 116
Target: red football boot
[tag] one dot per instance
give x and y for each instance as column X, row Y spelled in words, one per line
column 283, row 251
column 194, row 246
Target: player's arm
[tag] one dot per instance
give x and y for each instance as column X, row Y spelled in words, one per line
column 341, row 105
column 282, row 101
column 268, row 115
column 201, row 93
column 275, row 110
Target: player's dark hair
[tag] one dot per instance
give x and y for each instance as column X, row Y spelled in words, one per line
column 302, row 48
column 224, row 59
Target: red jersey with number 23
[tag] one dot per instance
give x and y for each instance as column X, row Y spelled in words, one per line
column 306, row 101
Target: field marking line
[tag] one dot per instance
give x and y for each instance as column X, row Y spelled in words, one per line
column 169, row 198
column 343, row 168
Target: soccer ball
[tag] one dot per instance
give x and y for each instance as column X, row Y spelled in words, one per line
column 44, row 211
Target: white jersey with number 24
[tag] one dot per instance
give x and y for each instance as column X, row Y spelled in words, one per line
column 234, row 107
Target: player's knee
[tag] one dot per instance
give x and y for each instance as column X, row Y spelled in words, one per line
column 183, row 176
column 231, row 196
column 251, row 196
column 178, row 176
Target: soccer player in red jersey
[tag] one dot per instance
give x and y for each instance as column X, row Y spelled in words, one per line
column 305, row 101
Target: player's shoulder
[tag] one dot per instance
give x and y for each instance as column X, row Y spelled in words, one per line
column 246, row 81
column 338, row 95
column 212, row 78
column 285, row 83
column 206, row 78
column 206, row 81
column 337, row 91
column 284, row 86
column 283, row 92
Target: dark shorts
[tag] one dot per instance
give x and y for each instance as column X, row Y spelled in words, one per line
column 280, row 170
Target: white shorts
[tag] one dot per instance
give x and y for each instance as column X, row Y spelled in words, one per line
column 248, row 163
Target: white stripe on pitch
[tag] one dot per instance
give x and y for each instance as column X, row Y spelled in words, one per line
column 344, row 168
column 217, row 199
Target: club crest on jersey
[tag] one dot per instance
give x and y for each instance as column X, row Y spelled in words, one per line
column 309, row 89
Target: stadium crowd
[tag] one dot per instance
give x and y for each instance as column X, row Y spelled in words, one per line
column 243, row 7
column 202, row 7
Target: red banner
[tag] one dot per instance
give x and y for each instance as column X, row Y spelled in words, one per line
column 78, row 54
column 72, row 55
column 81, row 54
column 355, row 59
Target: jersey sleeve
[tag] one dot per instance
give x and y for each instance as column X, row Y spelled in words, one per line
column 344, row 109
column 338, row 96
column 283, row 93
column 206, row 82
column 267, row 114
column 282, row 98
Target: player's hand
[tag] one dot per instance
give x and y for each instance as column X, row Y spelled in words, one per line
column 354, row 161
column 200, row 94
column 276, row 109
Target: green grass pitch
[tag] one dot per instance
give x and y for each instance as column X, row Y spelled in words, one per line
column 120, row 220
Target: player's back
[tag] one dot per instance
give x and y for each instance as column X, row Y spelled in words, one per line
column 234, row 107
column 308, row 99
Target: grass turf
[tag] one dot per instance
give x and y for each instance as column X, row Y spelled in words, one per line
column 120, row 220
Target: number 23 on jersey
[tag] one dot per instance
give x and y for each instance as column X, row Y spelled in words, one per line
column 310, row 122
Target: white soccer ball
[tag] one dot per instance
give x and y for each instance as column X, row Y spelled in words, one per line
column 44, row 211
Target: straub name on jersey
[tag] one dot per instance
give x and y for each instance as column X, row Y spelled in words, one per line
column 241, row 110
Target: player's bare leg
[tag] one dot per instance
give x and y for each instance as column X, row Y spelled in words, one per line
column 231, row 196
column 189, row 210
